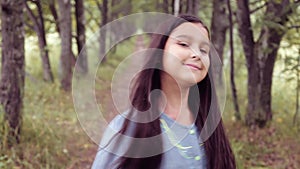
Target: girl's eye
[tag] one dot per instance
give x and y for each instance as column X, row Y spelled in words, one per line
column 183, row 44
column 203, row 51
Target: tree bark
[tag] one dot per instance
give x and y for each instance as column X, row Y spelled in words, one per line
column 261, row 56
column 176, row 7
column 232, row 82
column 65, row 27
column 80, row 38
column 297, row 88
column 54, row 14
column 39, row 28
column 219, row 26
column 104, row 15
column 12, row 69
column 166, row 6
column 192, row 7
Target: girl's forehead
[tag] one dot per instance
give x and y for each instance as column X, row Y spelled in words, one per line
column 192, row 30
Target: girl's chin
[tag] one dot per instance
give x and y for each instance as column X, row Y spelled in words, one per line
column 190, row 83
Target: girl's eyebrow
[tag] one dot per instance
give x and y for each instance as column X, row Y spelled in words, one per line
column 191, row 38
column 184, row 36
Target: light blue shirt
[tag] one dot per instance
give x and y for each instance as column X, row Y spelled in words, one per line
column 182, row 146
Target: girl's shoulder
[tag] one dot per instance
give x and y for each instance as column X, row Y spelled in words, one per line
column 117, row 122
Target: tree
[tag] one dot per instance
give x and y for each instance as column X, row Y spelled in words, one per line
column 12, row 70
column 54, row 14
column 104, row 16
column 261, row 55
column 232, row 82
column 39, row 28
column 166, row 6
column 80, row 38
column 56, row 20
column 65, row 26
column 176, row 7
column 219, row 25
column 291, row 59
column 192, row 7
column 297, row 70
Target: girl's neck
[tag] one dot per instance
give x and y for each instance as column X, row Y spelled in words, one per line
column 174, row 103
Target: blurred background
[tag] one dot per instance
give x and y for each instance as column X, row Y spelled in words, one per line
column 258, row 42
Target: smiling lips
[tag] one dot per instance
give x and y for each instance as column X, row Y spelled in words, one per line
column 192, row 66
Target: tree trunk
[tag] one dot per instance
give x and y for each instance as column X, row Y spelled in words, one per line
column 54, row 14
column 297, row 89
column 12, row 69
column 196, row 7
column 260, row 57
column 192, row 7
column 176, row 7
column 66, row 43
column 219, row 26
column 166, row 6
column 189, row 6
column 104, row 13
column 39, row 28
column 233, row 88
column 80, row 38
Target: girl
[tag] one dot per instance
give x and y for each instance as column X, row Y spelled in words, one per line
column 167, row 128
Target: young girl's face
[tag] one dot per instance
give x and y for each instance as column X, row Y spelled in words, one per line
column 186, row 57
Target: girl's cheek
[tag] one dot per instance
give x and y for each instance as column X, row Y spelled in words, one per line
column 206, row 62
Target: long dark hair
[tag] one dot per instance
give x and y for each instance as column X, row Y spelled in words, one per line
column 217, row 148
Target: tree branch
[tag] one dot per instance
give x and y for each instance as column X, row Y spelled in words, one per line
column 99, row 6
column 32, row 17
column 294, row 27
column 258, row 8
column 29, row 26
column 253, row 3
column 54, row 14
column 93, row 18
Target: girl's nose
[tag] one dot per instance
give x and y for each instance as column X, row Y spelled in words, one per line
column 195, row 54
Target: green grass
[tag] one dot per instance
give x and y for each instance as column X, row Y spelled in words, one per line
column 49, row 123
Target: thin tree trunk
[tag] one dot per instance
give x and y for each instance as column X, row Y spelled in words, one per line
column 12, row 69
column 196, row 7
column 66, row 44
column 189, row 7
column 104, row 12
column 176, row 7
column 260, row 57
column 219, row 26
column 173, row 5
column 166, row 6
column 112, row 36
column 192, row 7
column 297, row 90
column 54, row 14
column 182, row 6
column 80, row 38
column 52, row 7
column 233, row 88
column 39, row 28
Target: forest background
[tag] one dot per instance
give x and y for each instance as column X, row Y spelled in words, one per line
column 258, row 42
